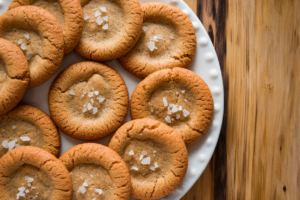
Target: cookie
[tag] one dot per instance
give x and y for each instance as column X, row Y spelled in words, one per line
column 27, row 125
column 155, row 155
column 33, row 173
column 168, row 40
column 67, row 12
column 39, row 36
column 14, row 75
column 88, row 100
column 111, row 28
column 177, row 97
column 97, row 172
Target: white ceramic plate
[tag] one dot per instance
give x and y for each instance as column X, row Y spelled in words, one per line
column 205, row 65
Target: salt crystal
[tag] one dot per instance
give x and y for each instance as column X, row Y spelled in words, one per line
column 5, row 144
column 156, row 165
column 17, row 145
column 90, row 107
column 21, row 189
column 174, row 109
column 103, row 9
column 105, row 27
column 72, row 92
column 177, row 116
column 29, row 184
column 141, row 157
column 144, row 153
column 95, row 110
column 85, row 184
column 145, row 28
column 94, row 199
column 20, row 41
column 16, row 139
column 99, row 21
column 131, row 153
column 98, row 190
column 11, row 145
column 29, row 55
column 97, row 13
column 84, row 92
column 182, row 91
column 32, row 188
column 169, row 112
column 85, row 17
column 135, row 168
column 146, row 161
column 180, row 108
column 84, row 105
column 168, row 119
column 27, row 191
column 165, row 101
column 92, row 175
column 154, row 151
column 152, row 110
column 82, row 189
column 84, row 110
column 23, row 46
column 101, row 99
column 96, row 92
column 185, row 113
column 152, row 168
column 185, row 100
column 29, row 179
column 25, row 138
column 90, row 94
column 14, row 127
column 37, row 193
column 176, row 92
column 27, row 36
column 151, row 45
column 20, row 194
column 172, row 37
column 158, row 36
column 105, row 18
column 92, row 101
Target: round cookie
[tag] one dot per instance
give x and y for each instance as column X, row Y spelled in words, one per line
column 88, row 100
column 33, row 173
column 14, row 75
column 97, row 172
column 27, row 125
column 179, row 98
column 39, row 36
column 111, row 28
column 67, row 12
column 155, row 155
column 168, row 40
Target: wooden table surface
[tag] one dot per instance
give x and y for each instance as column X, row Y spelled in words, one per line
column 258, row 153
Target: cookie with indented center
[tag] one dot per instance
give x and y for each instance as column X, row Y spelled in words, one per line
column 155, row 154
column 111, row 28
column 33, row 173
column 168, row 40
column 14, row 75
column 40, row 37
column 67, row 12
column 27, row 125
column 177, row 97
column 88, row 100
column 97, row 172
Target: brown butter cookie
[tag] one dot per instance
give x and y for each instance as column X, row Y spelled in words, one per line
column 155, row 155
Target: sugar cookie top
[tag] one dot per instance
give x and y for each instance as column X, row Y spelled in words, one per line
column 33, row 173
column 179, row 98
column 88, row 100
column 155, row 155
column 97, row 172
column 14, row 75
column 111, row 28
column 67, row 12
column 27, row 125
column 168, row 40
column 39, row 36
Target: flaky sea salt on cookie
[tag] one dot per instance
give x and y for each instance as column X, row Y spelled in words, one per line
column 39, row 35
column 67, row 12
column 33, row 173
column 111, row 28
column 14, row 75
column 97, row 172
column 155, row 155
column 168, row 40
column 177, row 97
column 27, row 125
column 88, row 100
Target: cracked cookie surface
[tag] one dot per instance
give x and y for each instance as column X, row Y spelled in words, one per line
column 177, row 97
column 111, row 28
column 40, row 37
column 168, row 40
column 67, row 12
column 33, row 173
column 155, row 154
column 27, row 125
column 14, row 75
column 88, row 100
column 97, row 172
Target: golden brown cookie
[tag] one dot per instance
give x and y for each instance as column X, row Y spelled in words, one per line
column 111, row 28
column 39, row 36
column 97, row 172
column 88, row 100
column 33, row 173
column 155, row 155
column 179, row 98
column 168, row 40
column 27, row 125
column 67, row 12
column 14, row 75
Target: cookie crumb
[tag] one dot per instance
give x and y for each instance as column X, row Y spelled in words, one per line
column 131, row 153
column 97, row 13
column 168, row 119
column 103, row 9
column 165, row 101
column 5, row 144
column 25, row 138
column 146, row 161
column 98, row 190
column 85, row 17
column 105, row 18
column 145, row 28
column 99, row 20
column 72, row 92
column 185, row 113
column 105, row 27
